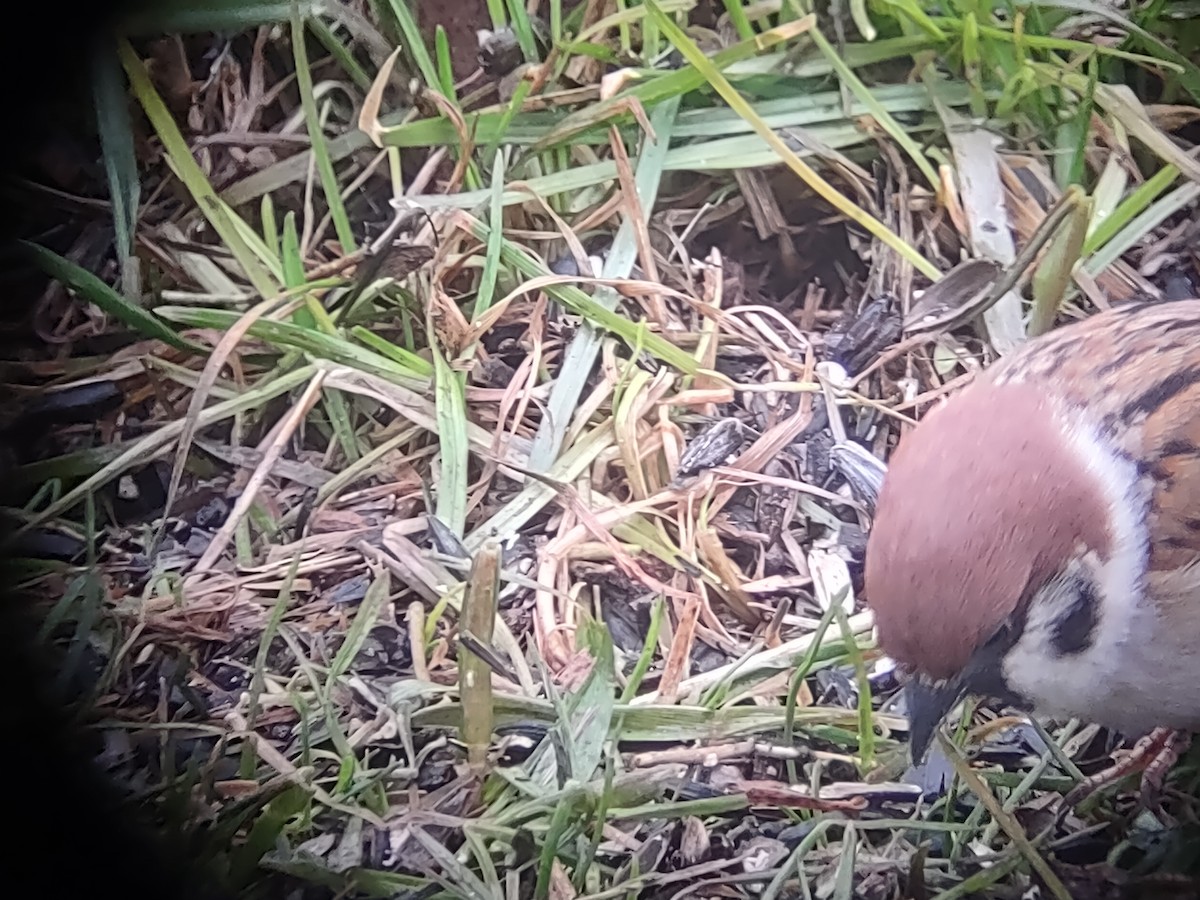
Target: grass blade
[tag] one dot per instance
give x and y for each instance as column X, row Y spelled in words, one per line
column 180, row 155
column 581, row 354
column 120, row 162
column 827, row 192
column 92, row 289
column 312, row 120
column 453, row 448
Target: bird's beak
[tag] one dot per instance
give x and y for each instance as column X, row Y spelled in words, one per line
column 927, row 706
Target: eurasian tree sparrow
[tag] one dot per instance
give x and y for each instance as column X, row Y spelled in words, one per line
column 1037, row 537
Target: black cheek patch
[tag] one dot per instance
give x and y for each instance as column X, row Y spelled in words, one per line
column 1074, row 631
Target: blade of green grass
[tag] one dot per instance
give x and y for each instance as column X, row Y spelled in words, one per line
column 445, row 68
column 1052, row 277
column 269, row 226
column 93, row 290
column 519, row 20
column 453, row 449
column 579, row 303
column 497, row 14
column 342, row 423
column 915, row 14
column 506, row 522
column 258, row 680
column 866, row 722
column 1132, row 206
column 329, row 182
column 295, row 167
column 895, row 130
column 591, row 707
column 405, row 357
column 414, row 45
column 360, row 629
column 1141, row 225
column 180, row 158
column 293, row 267
column 120, row 161
column 708, row 122
column 723, row 154
column 581, row 354
column 345, row 58
column 154, row 444
column 824, row 189
column 557, row 835
column 289, row 334
column 491, row 260
column 1005, row 819
column 209, row 16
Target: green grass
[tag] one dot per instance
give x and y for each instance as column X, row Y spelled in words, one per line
column 533, row 421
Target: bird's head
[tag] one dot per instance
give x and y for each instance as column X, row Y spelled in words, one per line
column 993, row 551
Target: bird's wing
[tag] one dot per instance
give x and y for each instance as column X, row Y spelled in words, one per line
column 1137, row 372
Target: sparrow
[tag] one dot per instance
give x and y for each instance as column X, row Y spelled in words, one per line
column 1037, row 536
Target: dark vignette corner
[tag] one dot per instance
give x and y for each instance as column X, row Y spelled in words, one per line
column 70, row 832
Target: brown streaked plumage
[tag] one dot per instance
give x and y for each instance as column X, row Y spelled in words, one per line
column 1037, row 538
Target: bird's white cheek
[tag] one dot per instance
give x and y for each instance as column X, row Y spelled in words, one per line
column 1129, row 679
column 1058, row 687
